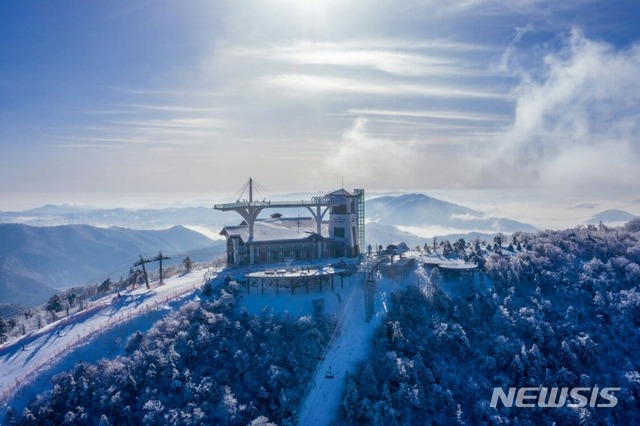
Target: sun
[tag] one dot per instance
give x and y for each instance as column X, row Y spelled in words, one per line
column 309, row 12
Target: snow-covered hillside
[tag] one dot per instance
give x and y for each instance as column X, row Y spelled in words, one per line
column 539, row 309
column 349, row 346
column 37, row 261
column 101, row 330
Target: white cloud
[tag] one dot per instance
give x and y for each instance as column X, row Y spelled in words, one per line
column 440, row 115
column 188, row 123
column 528, row 7
column 396, row 58
column 384, row 162
column 576, row 124
column 309, row 83
column 364, row 157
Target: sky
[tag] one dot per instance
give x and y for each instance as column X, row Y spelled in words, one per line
column 125, row 98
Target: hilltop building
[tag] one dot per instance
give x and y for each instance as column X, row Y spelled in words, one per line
column 278, row 238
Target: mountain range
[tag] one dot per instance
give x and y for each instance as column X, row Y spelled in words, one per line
column 612, row 217
column 393, row 217
column 52, row 215
column 35, row 262
column 411, row 210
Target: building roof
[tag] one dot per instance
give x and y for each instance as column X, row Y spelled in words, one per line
column 276, row 229
column 341, row 192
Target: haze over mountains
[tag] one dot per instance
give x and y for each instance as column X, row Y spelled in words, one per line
column 37, row 261
column 405, row 211
column 51, row 215
column 412, row 214
column 612, row 217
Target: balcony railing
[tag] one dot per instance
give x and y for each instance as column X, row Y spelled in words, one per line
column 315, row 201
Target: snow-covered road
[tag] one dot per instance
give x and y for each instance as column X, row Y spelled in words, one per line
column 349, row 346
column 54, row 346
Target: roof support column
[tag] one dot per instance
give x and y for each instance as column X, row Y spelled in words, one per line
column 318, row 215
column 250, row 214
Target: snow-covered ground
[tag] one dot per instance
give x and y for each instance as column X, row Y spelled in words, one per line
column 87, row 336
column 349, row 346
column 29, row 364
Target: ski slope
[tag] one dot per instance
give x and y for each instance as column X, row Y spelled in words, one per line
column 87, row 336
column 29, row 364
column 349, row 346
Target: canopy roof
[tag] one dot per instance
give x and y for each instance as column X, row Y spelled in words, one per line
column 276, row 229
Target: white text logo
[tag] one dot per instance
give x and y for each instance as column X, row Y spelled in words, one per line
column 555, row 397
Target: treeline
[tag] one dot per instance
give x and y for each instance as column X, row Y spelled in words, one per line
column 210, row 363
column 564, row 311
column 16, row 320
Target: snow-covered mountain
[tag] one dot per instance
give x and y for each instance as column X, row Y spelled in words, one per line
column 52, row 215
column 325, row 364
column 389, row 218
column 422, row 210
column 377, row 233
column 416, row 209
column 394, row 218
column 35, row 261
column 612, row 217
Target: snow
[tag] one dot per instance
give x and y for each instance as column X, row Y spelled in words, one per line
column 349, row 346
column 90, row 335
column 301, row 302
column 102, row 330
column 279, row 229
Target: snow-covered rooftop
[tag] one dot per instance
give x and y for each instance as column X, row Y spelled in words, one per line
column 339, row 192
column 277, row 229
column 295, row 272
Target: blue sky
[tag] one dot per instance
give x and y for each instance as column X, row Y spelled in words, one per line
column 194, row 96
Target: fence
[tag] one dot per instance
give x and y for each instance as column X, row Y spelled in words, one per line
column 84, row 336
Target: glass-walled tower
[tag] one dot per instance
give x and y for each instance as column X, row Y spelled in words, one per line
column 359, row 193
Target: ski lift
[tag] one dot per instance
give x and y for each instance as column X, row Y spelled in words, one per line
column 329, row 374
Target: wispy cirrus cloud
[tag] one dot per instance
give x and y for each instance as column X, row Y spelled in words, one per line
column 148, row 108
column 177, row 123
column 396, row 58
column 532, row 8
column 168, row 92
column 321, row 84
column 173, row 108
column 439, row 115
column 185, row 129
column 92, row 142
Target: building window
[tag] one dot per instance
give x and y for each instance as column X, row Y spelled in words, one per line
column 340, row 209
column 338, row 231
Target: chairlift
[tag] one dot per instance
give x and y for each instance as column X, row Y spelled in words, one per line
column 329, row 374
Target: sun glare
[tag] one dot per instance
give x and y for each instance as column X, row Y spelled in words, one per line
column 313, row 13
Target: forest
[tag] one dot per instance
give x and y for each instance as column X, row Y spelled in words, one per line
column 563, row 310
column 209, row 363
column 554, row 308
